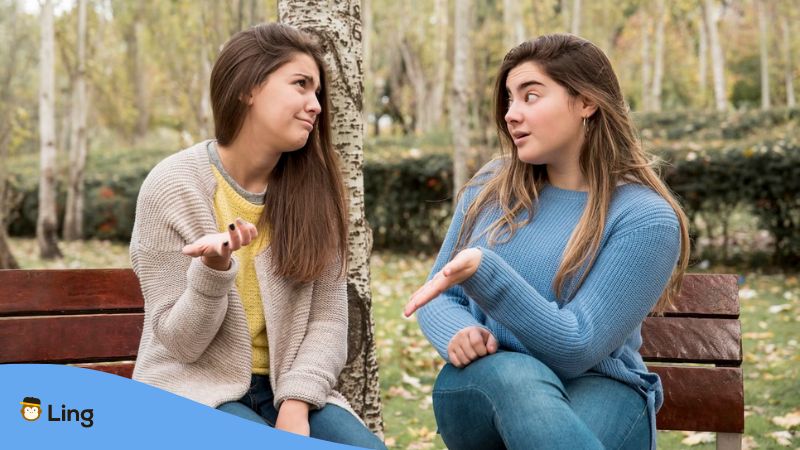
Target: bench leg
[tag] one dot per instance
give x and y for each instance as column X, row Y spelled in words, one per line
column 729, row 441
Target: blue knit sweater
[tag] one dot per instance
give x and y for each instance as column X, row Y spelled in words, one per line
column 599, row 329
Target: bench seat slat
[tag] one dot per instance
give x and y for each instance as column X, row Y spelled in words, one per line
column 691, row 340
column 701, row 399
column 30, row 292
column 69, row 339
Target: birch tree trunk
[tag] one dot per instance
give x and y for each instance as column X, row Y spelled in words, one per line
column 763, row 37
column 513, row 27
column 712, row 13
column 73, row 217
column 417, row 77
column 658, row 58
column 788, row 64
column 459, row 111
column 436, row 103
column 646, row 103
column 576, row 17
column 136, row 72
column 658, row 62
column 46, row 221
column 337, row 25
column 702, row 58
column 7, row 260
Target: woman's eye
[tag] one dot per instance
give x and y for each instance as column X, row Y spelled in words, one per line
column 530, row 96
column 301, row 83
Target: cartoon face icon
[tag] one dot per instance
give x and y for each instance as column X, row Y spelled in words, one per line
column 31, row 408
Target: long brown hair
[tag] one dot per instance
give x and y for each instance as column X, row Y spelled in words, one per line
column 306, row 210
column 611, row 153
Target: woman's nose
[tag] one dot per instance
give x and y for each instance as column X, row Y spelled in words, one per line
column 313, row 105
column 512, row 115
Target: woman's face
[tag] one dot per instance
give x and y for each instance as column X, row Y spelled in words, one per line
column 284, row 108
column 544, row 121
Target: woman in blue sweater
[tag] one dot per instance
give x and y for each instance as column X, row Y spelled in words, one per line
column 556, row 253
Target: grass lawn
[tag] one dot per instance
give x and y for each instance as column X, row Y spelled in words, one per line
column 770, row 325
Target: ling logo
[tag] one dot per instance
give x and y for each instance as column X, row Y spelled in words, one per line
column 31, row 408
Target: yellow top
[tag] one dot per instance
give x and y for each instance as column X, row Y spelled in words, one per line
column 228, row 205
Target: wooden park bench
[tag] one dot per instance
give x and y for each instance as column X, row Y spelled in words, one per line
column 93, row 318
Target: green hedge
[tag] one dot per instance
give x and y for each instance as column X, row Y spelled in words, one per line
column 707, row 125
column 408, row 200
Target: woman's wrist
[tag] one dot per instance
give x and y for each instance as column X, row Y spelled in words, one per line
column 221, row 263
column 295, row 406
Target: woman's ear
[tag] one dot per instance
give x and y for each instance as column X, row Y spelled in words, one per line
column 588, row 107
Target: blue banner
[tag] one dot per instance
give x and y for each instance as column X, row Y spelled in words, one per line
column 61, row 407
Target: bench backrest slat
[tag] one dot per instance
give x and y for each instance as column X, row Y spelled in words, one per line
column 707, row 295
column 691, row 340
column 701, row 399
column 70, row 339
column 32, row 292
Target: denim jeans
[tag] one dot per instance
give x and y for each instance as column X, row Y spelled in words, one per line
column 512, row 400
column 331, row 423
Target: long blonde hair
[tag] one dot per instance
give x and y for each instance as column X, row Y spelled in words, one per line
column 611, row 153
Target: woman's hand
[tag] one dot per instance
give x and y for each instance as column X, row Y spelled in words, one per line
column 456, row 271
column 215, row 249
column 470, row 344
column 293, row 417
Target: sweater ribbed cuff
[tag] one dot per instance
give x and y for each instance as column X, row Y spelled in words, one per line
column 211, row 282
column 304, row 387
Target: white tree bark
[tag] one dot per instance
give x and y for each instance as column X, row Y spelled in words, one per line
column 436, row 103
column 73, row 216
column 788, row 63
column 763, row 37
column 8, row 72
column 513, row 26
column 46, row 220
column 576, row 18
column 337, row 25
column 459, row 110
column 658, row 61
column 702, row 58
column 646, row 68
column 712, row 13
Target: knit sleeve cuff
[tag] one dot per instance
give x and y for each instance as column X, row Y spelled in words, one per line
column 304, row 387
column 211, row 282
column 491, row 271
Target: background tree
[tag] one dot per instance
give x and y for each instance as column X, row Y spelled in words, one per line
column 337, row 26
column 46, row 224
column 73, row 216
column 459, row 121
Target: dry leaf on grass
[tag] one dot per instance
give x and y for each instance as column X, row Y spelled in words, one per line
column 693, row 438
column 789, row 421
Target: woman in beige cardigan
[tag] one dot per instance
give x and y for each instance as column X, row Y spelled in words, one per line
column 239, row 245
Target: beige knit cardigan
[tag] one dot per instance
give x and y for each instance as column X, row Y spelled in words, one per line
column 195, row 340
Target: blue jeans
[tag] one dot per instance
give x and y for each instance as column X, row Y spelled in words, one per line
column 512, row 400
column 331, row 423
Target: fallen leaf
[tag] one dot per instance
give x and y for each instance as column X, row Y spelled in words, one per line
column 411, row 381
column 775, row 309
column 749, row 443
column 699, row 438
column 783, row 438
column 789, row 421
